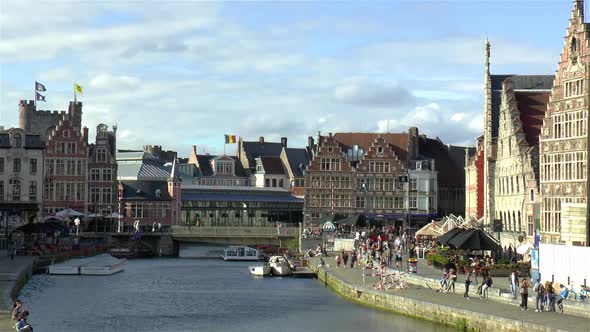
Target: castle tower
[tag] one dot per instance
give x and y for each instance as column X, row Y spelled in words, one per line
column 75, row 113
column 25, row 109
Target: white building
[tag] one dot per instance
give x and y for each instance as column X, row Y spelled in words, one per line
column 270, row 172
column 21, row 178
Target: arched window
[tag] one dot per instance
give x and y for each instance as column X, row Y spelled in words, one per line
column 17, row 141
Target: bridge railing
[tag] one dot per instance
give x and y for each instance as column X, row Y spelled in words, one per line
column 240, row 232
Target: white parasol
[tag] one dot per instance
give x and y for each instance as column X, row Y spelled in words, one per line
column 524, row 249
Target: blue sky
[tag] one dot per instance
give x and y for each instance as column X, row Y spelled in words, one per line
column 182, row 73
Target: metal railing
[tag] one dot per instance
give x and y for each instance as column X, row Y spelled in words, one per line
column 238, row 232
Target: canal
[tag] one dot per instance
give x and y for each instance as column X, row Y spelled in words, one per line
column 184, row 294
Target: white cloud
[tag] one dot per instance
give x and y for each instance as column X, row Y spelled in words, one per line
column 457, row 117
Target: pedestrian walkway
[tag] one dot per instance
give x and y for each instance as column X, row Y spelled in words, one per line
column 10, row 273
column 552, row 320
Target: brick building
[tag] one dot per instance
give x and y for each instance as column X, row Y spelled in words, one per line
column 102, row 172
column 367, row 174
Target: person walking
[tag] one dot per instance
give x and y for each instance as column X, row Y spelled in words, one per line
column 452, row 278
column 488, row 283
column 514, row 283
column 524, row 294
column 467, row 283
column 344, row 257
column 398, row 258
column 539, row 295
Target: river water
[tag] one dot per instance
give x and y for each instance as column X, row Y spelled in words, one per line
column 181, row 294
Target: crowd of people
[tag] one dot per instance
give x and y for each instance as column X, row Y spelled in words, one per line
column 20, row 315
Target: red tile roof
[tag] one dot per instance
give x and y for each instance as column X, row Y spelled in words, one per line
column 532, row 107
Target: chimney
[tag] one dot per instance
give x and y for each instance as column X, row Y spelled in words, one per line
column 261, row 140
column 413, row 148
column 85, row 134
column 310, row 142
column 284, row 142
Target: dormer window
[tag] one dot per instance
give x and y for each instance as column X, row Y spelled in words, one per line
column 224, row 167
column 18, row 141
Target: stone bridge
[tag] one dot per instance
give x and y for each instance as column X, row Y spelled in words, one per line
column 167, row 243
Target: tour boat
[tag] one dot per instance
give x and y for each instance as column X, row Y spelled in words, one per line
column 237, row 253
column 279, row 265
column 260, row 270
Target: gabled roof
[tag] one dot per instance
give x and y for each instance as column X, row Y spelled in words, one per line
column 205, row 169
column 532, row 107
column 273, row 165
column 532, row 83
column 398, row 141
column 135, row 155
column 257, row 149
column 143, row 170
column 450, row 168
column 145, row 190
column 298, row 160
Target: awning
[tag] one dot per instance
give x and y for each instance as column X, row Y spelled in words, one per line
column 240, row 197
column 350, row 220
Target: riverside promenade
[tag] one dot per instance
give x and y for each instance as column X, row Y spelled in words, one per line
column 13, row 276
column 445, row 308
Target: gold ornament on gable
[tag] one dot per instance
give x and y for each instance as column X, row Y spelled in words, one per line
column 568, row 189
column 580, row 189
column 568, row 145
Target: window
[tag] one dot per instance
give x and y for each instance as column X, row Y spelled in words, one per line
column 18, row 141
column 267, row 182
column 330, row 164
column 81, row 168
column 33, row 191
column 413, row 184
column 60, row 147
column 106, row 195
column 1, row 190
column 60, row 167
column 101, row 155
column 95, row 174
column 413, row 202
column 274, row 182
column 60, row 194
column 94, row 195
column 137, row 211
column 281, row 183
column 532, row 195
column 16, row 165
column 1, row 165
column 15, row 187
column 70, row 167
column 33, row 166
column 107, row 174
column 163, row 210
column 71, row 147
column 80, row 191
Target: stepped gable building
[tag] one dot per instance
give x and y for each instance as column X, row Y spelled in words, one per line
column 21, row 178
column 366, row 174
column 66, row 154
column 564, row 141
column 102, row 172
column 514, row 106
column 148, row 188
column 297, row 160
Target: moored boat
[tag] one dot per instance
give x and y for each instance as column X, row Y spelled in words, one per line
column 103, row 265
column 240, row 253
column 260, row 270
column 279, row 265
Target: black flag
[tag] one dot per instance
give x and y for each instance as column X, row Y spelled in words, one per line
column 39, row 87
column 39, row 97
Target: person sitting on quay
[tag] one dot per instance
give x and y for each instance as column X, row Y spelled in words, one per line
column 321, row 264
column 17, row 309
column 318, row 250
column 21, row 324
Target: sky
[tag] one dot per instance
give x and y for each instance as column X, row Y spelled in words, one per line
column 179, row 73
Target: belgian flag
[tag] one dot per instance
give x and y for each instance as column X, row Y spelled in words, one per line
column 230, row 139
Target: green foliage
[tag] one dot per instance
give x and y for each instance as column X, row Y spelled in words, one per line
column 503, row 261
column 438, row 259
column 292, row 244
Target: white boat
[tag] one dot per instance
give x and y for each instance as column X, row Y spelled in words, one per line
column 71, row 267
column 260, row 270
column 103, row 265
column 279, row 265
column 240, row 253
column 97, row 265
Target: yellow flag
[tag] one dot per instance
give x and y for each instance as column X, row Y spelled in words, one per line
column 78, row 88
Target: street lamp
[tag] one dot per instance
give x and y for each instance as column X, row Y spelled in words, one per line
column 366, row 203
